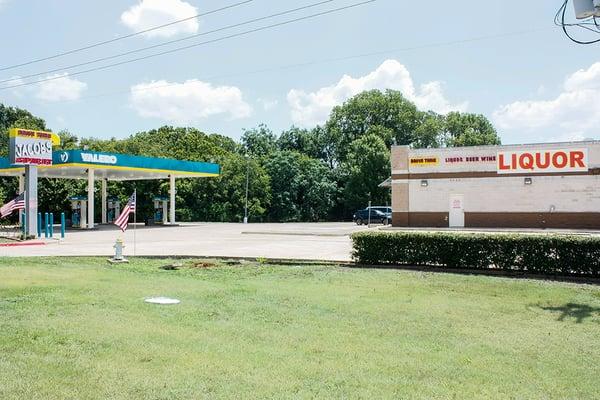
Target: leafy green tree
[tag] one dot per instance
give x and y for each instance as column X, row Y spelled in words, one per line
column 224, row 144
column 314, row 143
column 223, row 198
column 297, row 139
column 430, row 131
column 302, row 187
column 179, row 143
column 465, row 129
column 389, row 110
column 108, row 145
column 68, row 141
column 367, row 165
column 259, row 142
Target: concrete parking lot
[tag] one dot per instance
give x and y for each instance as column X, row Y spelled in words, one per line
column 328, row 241
column 305, row 241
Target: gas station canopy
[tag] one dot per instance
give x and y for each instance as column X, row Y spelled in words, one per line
column 75, row 164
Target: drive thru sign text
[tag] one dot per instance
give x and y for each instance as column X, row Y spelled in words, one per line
column 541, row 161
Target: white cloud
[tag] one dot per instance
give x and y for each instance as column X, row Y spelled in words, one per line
column 150, row 13
column 313, row 108
column 267, row 104
column 61, row 88
column 572, row 115
column 187, row 102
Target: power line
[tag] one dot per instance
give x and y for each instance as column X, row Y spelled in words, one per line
column 329, row 60
column 97, row 60
column 195, row 44
column 91, row 46
column 559, row 20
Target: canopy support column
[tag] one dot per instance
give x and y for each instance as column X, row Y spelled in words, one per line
column 90, row 202
column 172, row 199
column 104, row 201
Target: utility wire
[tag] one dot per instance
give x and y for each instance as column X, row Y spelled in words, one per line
column 97, row 60
column 220, row 39
column 91, row 46
column 324, row 61
column 559, row 20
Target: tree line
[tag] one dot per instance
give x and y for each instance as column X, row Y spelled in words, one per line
column 318, row 174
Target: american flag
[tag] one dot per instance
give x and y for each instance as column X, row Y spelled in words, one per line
column 18, row 203
column 123, row 219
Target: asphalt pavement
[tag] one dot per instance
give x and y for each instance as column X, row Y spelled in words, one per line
column 303, row 241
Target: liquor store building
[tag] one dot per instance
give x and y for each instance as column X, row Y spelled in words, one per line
column 549, row 185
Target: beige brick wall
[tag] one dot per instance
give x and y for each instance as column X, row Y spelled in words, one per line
column 509, row 194
column 506, row 193
column 400, row 196
column 399, row 159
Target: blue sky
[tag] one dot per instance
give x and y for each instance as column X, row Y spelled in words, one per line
column 534, row 84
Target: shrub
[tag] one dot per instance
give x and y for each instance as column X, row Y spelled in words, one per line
column 538, row 254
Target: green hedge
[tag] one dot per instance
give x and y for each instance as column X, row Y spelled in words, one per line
column 536, row 254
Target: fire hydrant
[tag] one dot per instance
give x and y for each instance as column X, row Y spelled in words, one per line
column 118, row 257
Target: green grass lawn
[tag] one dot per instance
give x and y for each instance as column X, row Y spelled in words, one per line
column 78, row 328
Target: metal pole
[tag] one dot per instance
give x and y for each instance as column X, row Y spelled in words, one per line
column 62, row 225
column 135, row 219
column 21, row 183
column 51, row 227
column 24, row 225
column 46, row 216
column 39, row 227
column 369, row 224
column 104, row 201
column 172, row 192
column 247, row 179
column 90, row 199
column 31, row 199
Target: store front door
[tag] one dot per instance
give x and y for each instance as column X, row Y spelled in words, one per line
column 457, row 212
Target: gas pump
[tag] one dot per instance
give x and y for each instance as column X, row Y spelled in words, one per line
column 160, row 210
column 79, row 211
column 113, row 209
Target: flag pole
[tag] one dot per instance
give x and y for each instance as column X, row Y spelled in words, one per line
column 134, row 219
column 26, row 212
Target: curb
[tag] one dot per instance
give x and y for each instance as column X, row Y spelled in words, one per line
column 18, row 244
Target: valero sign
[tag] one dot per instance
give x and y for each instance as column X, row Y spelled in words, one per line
column 28, row 147
column 542, row 161
column 98, row 158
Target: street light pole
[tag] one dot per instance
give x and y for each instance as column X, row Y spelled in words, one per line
column 247, row 175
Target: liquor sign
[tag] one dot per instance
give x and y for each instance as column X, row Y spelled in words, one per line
column 541, row 161
column 470, row 159
column 28, row 147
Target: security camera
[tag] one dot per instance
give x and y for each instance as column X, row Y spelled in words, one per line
column 586, row 8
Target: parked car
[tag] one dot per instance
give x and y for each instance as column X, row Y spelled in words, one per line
column 387, row 210
column 361, row 217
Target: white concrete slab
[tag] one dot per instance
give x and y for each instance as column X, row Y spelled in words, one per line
column 305, row 241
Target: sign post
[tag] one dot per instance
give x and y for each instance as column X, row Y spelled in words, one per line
column 31, row 200
column 31, row 148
